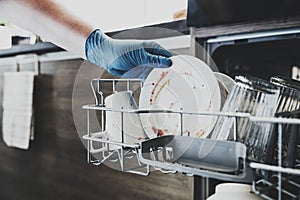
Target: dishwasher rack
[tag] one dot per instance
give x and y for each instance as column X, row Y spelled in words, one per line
column 164, row 153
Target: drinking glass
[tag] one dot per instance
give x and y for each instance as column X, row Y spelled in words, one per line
column 288, row 107
column 289, row 98
column 258, row 98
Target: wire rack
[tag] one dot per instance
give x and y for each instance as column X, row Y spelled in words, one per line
column 272, row 180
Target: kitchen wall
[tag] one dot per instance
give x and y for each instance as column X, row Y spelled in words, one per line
column 55, row 166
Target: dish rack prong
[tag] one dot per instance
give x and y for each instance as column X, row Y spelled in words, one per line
column 111, row 151
column 277, row 181
column 98, row 94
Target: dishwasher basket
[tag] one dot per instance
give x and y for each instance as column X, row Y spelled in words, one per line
column 224, row 160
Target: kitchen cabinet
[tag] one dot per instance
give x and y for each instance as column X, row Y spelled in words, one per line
column 125, row 14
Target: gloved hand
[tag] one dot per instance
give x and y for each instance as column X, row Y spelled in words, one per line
column 119, row 56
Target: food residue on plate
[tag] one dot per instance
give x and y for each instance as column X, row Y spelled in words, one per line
column 154, row 129
column 160, row 89
column 155, row 85
column 200, row 133
column 158, row 132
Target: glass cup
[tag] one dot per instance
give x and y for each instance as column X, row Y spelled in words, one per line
column 288, row 107
column 124, row 127
column 258, row 98
column 289, row 98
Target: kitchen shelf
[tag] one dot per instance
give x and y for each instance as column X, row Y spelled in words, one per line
column 38, row 48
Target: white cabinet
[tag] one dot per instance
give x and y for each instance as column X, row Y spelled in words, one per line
column 5, row 38
column 115, row 15
column 158, row 11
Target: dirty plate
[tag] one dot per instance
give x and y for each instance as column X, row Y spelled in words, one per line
column 188, row 85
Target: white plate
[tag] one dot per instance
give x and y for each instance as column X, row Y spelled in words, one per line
column 227, row 81
column 188, row 85
column 225, row 84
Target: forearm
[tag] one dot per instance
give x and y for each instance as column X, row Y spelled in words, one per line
column 47, row 19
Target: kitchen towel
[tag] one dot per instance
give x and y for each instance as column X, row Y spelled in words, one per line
column 17, row 108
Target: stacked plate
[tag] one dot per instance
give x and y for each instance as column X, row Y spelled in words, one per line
column 226, row 84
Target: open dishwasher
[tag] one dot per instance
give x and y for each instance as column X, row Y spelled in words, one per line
column 268, row 161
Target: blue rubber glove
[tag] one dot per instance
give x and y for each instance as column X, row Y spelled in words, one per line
column 118, row 57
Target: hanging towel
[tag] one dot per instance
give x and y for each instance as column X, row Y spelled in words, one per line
column 17, row 108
